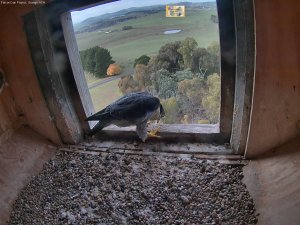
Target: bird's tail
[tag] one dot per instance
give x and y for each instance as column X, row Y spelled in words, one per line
column 99, row 126
column 104, row 119
column 98, row 116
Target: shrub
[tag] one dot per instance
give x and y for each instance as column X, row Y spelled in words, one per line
column 144, row 59
column 127, row 27
column 113, row 69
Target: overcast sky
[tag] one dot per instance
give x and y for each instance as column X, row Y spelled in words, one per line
column 78, row 16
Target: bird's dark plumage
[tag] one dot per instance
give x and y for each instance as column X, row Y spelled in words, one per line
column 131, row 109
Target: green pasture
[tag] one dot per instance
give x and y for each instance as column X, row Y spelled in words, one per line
column 105, row 94
column 147, row 36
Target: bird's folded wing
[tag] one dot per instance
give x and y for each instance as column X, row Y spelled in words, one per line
column 98, row 115
column 131, row 110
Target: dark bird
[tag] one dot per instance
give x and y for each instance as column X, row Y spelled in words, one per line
column 131, row 109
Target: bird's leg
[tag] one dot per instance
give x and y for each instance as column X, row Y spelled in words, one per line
column 153, row 132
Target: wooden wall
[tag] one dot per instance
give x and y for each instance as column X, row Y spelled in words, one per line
column 22, row 157
column 276, row 104
column 22, row 101
column 275, row 115
column 273, row 178
column 276, row 110
column 23, row 151
column 273, row 182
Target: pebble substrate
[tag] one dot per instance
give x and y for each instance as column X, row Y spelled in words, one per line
column 133, row 189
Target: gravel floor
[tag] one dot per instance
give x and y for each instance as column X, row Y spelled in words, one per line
column 126, row 189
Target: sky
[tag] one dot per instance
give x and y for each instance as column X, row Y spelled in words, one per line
column 78, row 16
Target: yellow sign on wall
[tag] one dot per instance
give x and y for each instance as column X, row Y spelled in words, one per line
column 175, row 11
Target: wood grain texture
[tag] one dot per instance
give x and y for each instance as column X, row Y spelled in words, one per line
column 245, row 60
column 179, row 148
column 228, row 65
column 75, row 61
column 21, row 100
column 50, row 59
column 273, row 182
column 276, row 108
column 176, row 133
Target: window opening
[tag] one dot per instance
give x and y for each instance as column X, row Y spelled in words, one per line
column 51, row 37
column 170, row 50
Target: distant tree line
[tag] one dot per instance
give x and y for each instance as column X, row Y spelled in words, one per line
column 127, row 28
column 185, row 78
column 96, row 60
column 101, row 24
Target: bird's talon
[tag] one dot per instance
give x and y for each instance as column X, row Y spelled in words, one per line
column 150, row 134
column 153, row 133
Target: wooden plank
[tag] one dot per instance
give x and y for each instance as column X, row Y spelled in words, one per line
column 228, row 65
column 205, row 133
column 44, row 58
column 76, row 64
column 225, row 159
column 120, row 135
column 180, row 148
column 62, row 6
column 174, row 128
column 51, row 63
column 244, row 22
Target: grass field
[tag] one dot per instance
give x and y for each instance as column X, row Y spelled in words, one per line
column 146, row 37
column 104, row 94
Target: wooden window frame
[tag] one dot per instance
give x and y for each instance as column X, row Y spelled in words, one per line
column 57, row 64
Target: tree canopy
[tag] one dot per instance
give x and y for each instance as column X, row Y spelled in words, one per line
column 144, row 59
column 167, row 58
column 96, row 60
column 212, row 98
column 186, row 49
column 185, row 78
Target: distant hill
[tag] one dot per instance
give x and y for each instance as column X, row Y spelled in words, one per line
column 111, row 19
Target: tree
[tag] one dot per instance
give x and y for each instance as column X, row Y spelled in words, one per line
column 142, row 76
column 184, row 74
column 144, row 59
column 96, row 60
column 139, row 81
column 206, row 61
column 211, row 100
column 102, row 61
column 127, row 28
column 128, row 85
column 200, row 61
column 186, row 50
column 214, row 51
column 189, row 95
column 90, row 60
column 171, row 110
column 167, row 85
column 168, row 58
column 83, row 58
column 163, row 84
